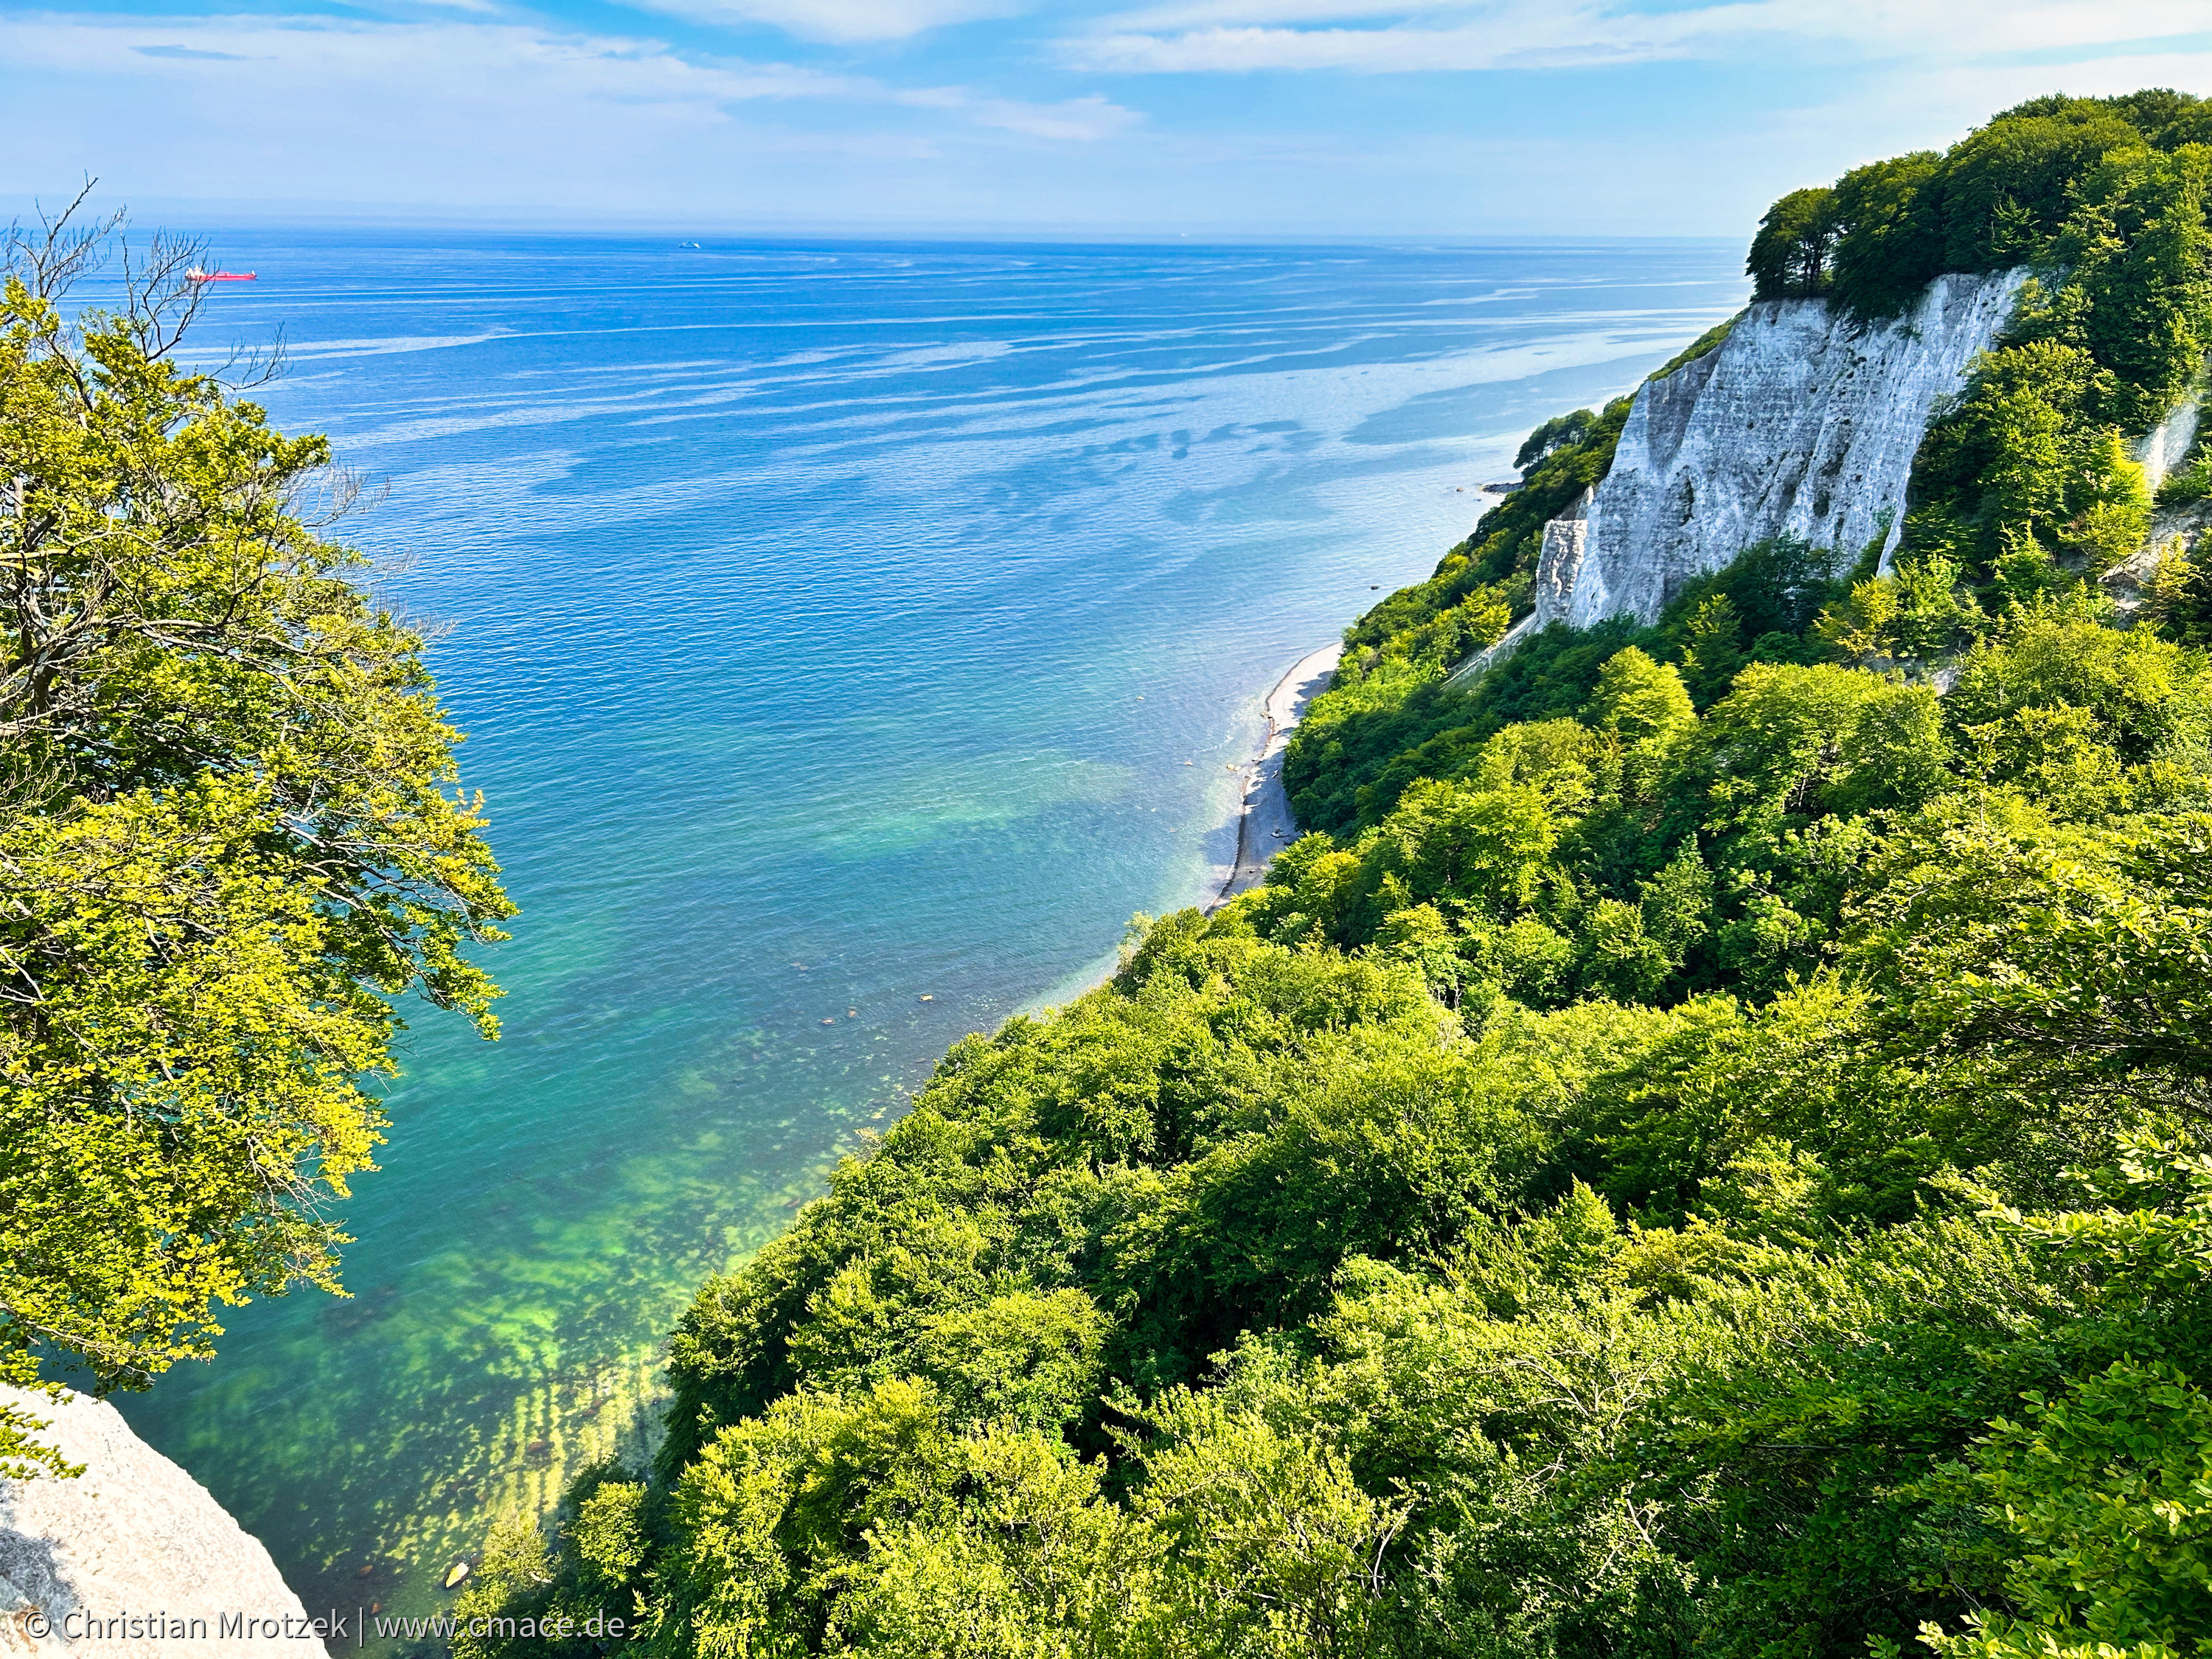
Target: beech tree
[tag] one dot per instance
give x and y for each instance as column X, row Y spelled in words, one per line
column 230, row 836
column 1789, row 257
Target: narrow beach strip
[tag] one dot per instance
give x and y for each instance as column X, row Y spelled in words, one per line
column 1264, row 823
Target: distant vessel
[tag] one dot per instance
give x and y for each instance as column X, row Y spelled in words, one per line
column 196, row 275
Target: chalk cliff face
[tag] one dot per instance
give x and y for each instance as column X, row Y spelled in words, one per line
column 1801, row 422
column 133, row 1538
column 2165, row 445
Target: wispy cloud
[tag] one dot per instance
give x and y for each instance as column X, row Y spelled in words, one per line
column 840, row 21
column 486, row 58
column 1079, row 121
column 189, row 53
column 1377, row 37
column 460, row 104
column 487, row 65
column 1209, row 14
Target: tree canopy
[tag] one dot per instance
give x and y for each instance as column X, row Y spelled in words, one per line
column 230, row 837
column 2004, row 195
column 1719, row 1173
column 1704, row 1146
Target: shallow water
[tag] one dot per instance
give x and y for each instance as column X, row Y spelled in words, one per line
column 850, row 637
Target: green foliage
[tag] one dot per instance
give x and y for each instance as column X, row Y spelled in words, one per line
column 1594, row 896
column 2023, row 480
column 1620, row 1200
column 2109, row 1487
column 1638, row 702
column 2025, row 462
column 2053, row 962
column 2191, row 481
column 2012, row 192
column 2137, row 294
column 1372, row 733
column 2098, row 1493
column 1921, row 611
column 228, row 847
column 2008, row 188
column 1560, row 432
column 1704, row 1146
column 2181, row 594
column 1889, row 218
column 1789, row 257
column 527, row 1596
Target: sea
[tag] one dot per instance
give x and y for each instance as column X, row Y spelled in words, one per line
column 851, row 638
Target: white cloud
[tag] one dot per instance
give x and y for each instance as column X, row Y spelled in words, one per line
column 841, row 20
column 490, row 66
column 1206, row 14
column 1080, row 120
column 189, row 52
column 1373, row 36
column 459, row 113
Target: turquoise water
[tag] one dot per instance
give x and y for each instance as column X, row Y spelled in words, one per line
column 850, row 638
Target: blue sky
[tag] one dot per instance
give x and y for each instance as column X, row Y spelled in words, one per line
column 1231, row 118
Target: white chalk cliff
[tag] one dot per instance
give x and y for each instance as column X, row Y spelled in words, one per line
column 134, row 1545
column 2162, row 449
column 1801, row 422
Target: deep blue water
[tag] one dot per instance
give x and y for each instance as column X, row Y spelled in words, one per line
column 849, row 637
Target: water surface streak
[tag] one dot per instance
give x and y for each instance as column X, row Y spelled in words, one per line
column 849, row 639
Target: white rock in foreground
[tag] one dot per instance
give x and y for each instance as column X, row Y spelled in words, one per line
column 1801, row 423
column 132, row 1538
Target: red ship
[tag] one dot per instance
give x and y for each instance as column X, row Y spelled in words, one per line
column 196, row 275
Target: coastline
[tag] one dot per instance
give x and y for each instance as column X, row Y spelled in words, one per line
column 1264, row 823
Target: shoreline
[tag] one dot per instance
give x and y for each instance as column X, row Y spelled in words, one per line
column 1264, row 823
column 1263, row 809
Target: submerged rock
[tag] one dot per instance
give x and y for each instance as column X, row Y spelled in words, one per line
column 132, row 1556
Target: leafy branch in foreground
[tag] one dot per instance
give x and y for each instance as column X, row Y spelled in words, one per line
column 228, row 838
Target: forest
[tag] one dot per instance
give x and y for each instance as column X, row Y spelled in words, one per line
column 1704, row 1147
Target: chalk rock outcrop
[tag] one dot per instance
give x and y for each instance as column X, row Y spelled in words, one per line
column 1801, row 422
column 134, row 1545
column 2162, row 449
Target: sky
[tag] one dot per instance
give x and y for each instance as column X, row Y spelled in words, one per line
column 1043, row 117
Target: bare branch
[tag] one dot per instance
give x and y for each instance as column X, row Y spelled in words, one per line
column 248, row 368
column 162, row 294
column 51, row 259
